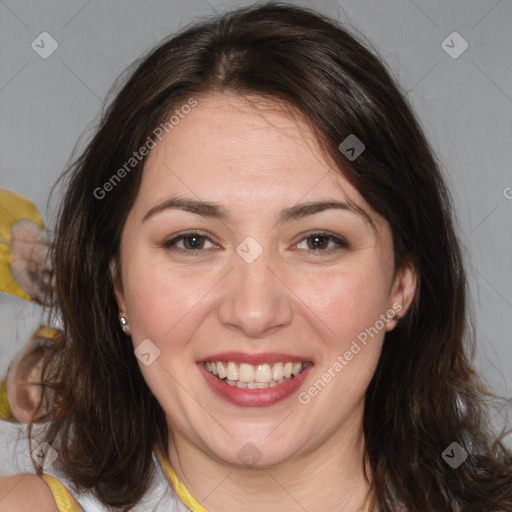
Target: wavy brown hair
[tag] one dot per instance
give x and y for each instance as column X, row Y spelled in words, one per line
column 424, row 394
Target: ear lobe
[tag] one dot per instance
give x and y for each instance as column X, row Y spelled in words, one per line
column 404, row 289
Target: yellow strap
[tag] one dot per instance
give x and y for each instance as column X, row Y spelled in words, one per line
column 183, row 494
column 44, row 331
column 189, row 501
column 5, row 408
column 367, row 502
column 65, row 501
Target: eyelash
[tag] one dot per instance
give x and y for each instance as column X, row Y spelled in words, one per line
column 170, row 245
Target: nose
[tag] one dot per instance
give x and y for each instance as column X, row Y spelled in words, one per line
column 255, row 298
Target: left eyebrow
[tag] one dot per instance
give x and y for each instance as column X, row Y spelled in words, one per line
column 303, row 209
column 298, row 211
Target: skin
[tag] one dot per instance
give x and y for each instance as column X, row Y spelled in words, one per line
column 256, row 160
column 25, row 493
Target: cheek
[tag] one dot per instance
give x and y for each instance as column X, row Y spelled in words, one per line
column 162, row 305
column 346, row 302
column 345, row 313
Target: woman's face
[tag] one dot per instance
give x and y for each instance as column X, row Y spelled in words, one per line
column 245, row 247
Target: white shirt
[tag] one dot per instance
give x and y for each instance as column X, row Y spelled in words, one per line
column 160, row 497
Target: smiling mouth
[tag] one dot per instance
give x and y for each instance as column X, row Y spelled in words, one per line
column 261, row 376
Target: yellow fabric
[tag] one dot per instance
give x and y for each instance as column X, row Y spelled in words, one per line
column 63, row 498
column 366, row 507
column 183, row 494
column 13, row 208
column 188, row 500
column 43, row 331
column 5, row 408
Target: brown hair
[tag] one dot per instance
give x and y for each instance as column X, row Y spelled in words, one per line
column 424, row 394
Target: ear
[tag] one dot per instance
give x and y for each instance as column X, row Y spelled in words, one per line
column 115, row 277
column 402, row 292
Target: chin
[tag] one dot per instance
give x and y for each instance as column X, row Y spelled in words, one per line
column 251, row 453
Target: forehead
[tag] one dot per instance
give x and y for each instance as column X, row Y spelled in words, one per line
column 243, row 151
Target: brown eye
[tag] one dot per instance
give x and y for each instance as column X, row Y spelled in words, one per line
column 193, row 242
column 188, row 242
column 318, row 242
column 323, row 242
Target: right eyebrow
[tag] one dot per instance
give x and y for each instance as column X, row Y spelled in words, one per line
column 203, row 208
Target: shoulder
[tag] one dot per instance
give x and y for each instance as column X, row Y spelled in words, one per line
column 26, row 493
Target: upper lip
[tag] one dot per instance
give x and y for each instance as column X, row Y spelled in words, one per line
column 258, row 358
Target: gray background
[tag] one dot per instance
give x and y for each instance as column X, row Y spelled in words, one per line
column 464, row 104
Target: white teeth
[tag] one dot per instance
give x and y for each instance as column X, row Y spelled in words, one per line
column 232, row 371
column 264, row 373
column 221, row 370
column 277, row 371
column 246, row 373
column 261, row 376
column 255, row 385
column 297, row 368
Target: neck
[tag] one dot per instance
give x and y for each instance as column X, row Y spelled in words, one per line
column 329, row 477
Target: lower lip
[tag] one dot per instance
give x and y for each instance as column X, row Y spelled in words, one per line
column 244, row 397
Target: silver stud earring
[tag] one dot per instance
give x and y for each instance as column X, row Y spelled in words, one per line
column 123, row 322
